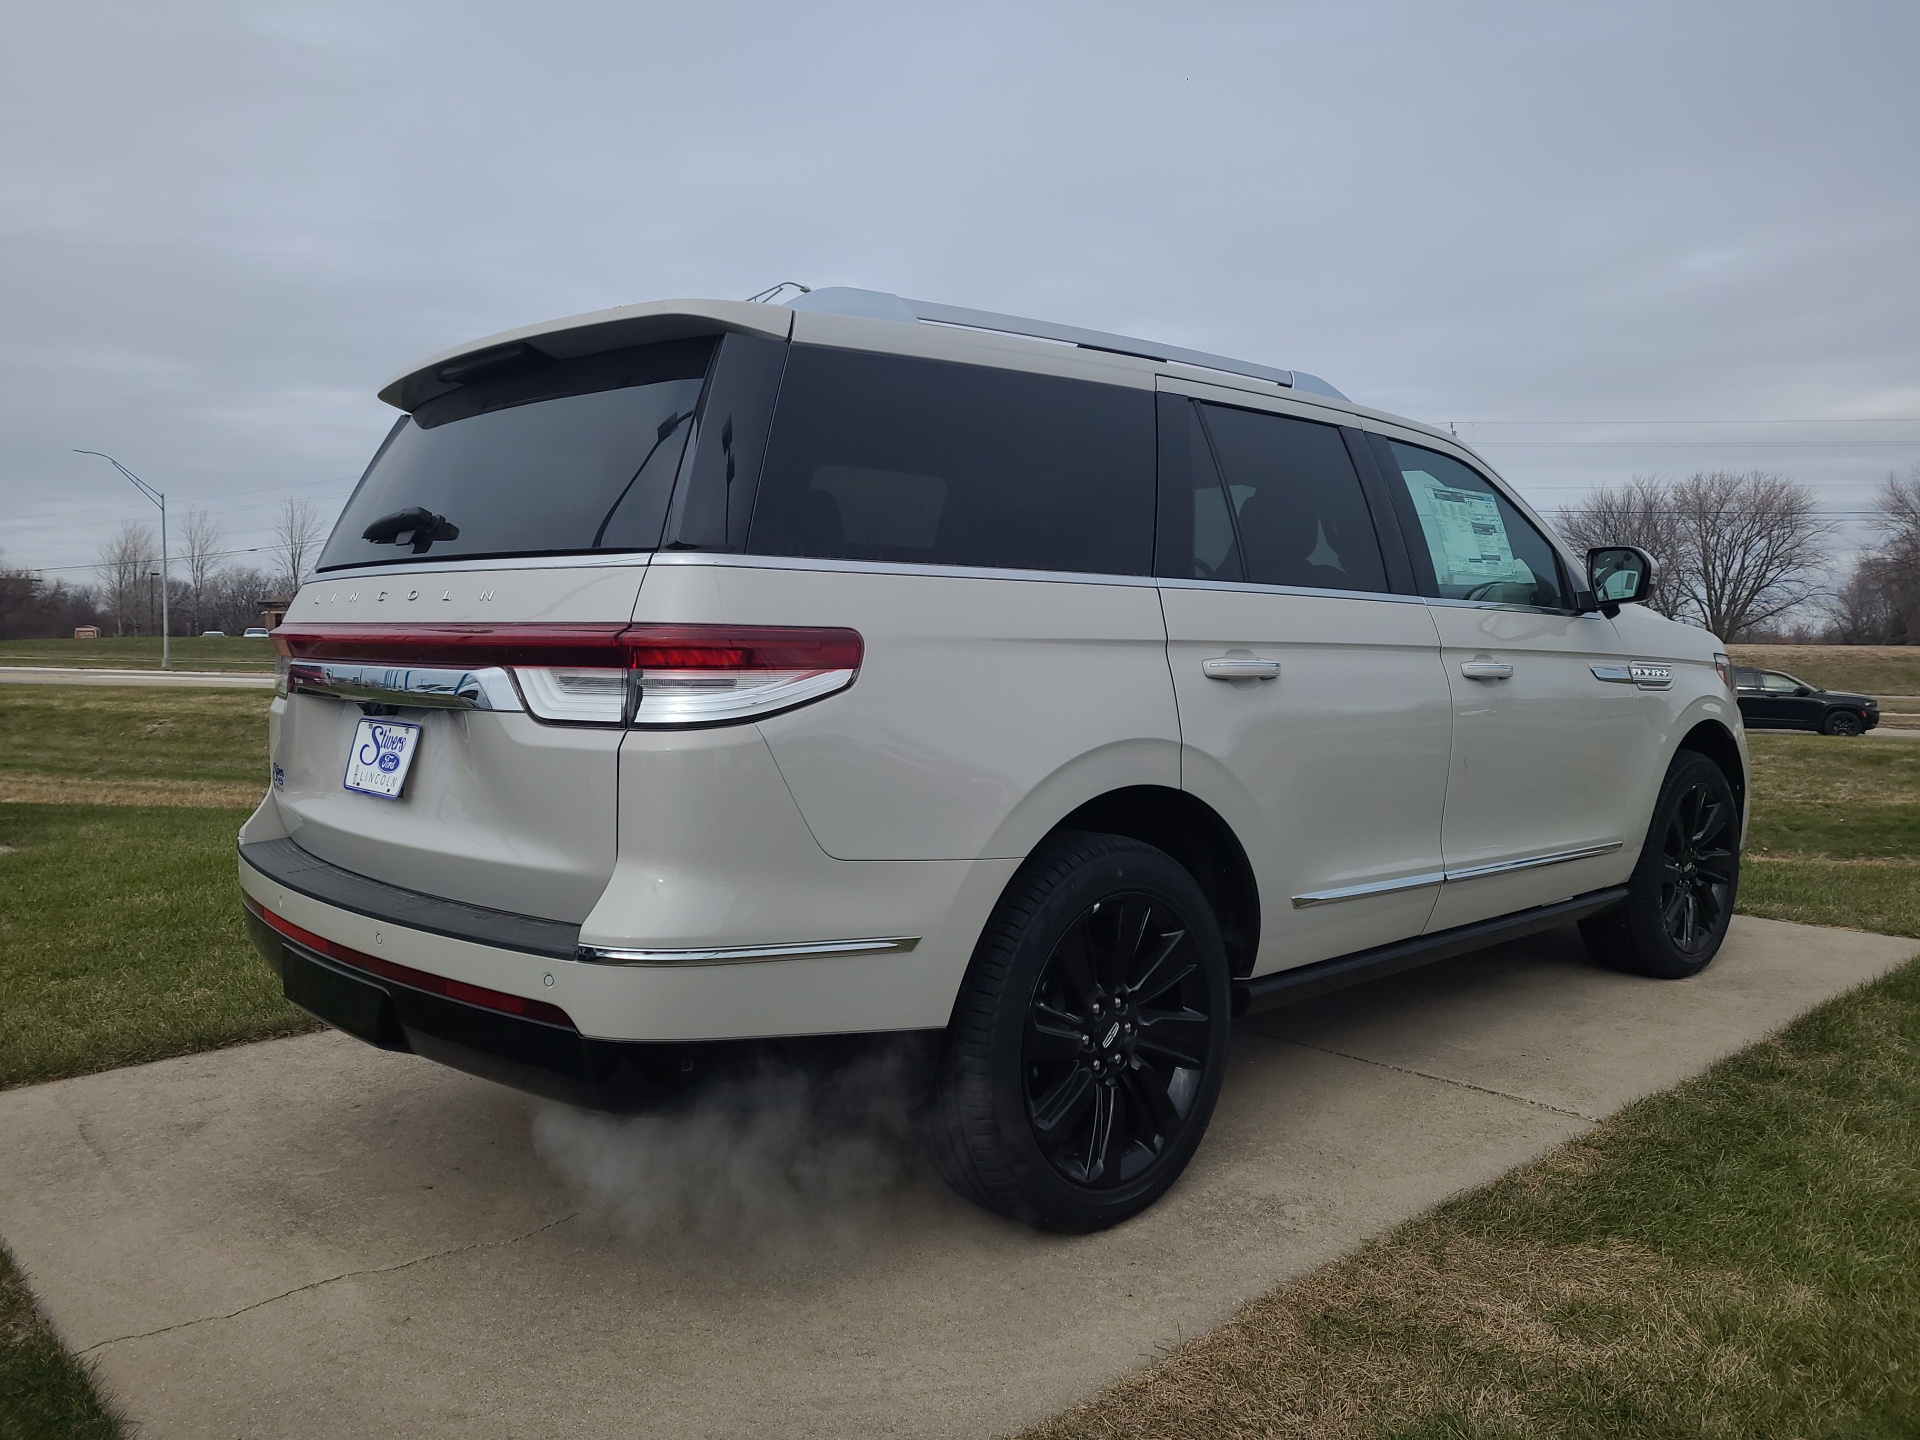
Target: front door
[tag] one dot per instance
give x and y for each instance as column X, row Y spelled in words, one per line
column 1553, row 756
column 1314, row 715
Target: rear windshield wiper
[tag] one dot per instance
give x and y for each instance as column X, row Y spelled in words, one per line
column 421, row 524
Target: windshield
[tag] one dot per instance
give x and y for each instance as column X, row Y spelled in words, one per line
column 545, row 457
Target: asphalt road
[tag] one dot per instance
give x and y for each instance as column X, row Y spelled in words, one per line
column 311, row 1238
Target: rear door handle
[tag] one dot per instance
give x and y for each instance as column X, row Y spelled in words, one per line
column 1486, row 670
column 1240, row 667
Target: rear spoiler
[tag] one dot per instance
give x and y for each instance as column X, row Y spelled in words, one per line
column 588, row 334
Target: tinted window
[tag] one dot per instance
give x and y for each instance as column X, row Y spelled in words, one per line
column 880, row 457
column 1746, row 679
column 1293, row 501
column 549, row 456
column 1774, row 683
column 1195, row 538
column 1479, row 546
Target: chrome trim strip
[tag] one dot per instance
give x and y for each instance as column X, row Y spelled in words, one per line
column 1532, row 862
column 1645, row 674
column 747, row 954
column 894, row 567
column 1437, row 877
column 1372, row 887
column 1243, row 587
column 417, row 687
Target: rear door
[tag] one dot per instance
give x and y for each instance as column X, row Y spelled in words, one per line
column 1313, row 712
column 1553, row 749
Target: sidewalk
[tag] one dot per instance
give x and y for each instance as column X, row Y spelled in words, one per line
column 309, row 1237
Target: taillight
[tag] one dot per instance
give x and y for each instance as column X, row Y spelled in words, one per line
column 1723, row 664
column 646, row 676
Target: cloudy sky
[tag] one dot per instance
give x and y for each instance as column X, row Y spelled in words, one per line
column 224, row 226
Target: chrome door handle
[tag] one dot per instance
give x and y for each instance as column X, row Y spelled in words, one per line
column 1240, row 667
column 1486, row 670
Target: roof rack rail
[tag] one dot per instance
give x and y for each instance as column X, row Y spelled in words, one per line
column 881, row 305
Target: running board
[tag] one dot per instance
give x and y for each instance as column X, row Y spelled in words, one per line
column 1304, row 982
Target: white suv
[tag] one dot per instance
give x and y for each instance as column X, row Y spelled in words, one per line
column 692, row 674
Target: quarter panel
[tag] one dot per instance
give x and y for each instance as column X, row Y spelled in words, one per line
column 987, row 705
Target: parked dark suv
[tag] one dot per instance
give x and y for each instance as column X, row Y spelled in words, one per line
column 1775, row 700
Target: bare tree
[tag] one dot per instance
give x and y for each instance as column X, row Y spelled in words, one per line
column 202, row 537
column 125, row 562
column 1755, row 548
column 1880, row 603
column 295, row 537
column 1738, row 552
column 1641, row 513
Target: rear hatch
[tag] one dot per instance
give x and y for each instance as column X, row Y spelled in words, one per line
column 459, row 625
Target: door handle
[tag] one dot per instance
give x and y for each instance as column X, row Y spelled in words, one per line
column 1486, row 670
column 1240, row 667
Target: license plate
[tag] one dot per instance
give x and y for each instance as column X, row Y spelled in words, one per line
column 383, row 752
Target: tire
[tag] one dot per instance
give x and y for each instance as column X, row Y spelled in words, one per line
column 1680, row 897
column 1061, row 1099
column 1842, row 722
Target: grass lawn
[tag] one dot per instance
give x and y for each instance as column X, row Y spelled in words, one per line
column 1735, row 1257
column 1862, row 669
column 141, row 653
column 178, row 747
column 120, row 940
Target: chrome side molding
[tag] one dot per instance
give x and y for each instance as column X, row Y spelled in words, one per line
column 1533, row 862
column 1646, row 676
column 1448, row 877
column 420, row 687
column 747, row 954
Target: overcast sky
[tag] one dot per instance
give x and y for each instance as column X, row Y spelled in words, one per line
column 224, row 226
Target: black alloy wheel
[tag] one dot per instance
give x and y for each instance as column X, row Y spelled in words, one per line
column 1680, row 896
column 1089, row 1041
column 1117, row 1041
column 1697, row 867
column 1842, row 722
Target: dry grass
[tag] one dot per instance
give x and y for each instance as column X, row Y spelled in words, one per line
column 1734, row 1258
column 184, row 794
column 1864, row 669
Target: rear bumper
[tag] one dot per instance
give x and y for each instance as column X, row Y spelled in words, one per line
column 543, row 1055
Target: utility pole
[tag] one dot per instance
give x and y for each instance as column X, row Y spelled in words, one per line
column 160, row 499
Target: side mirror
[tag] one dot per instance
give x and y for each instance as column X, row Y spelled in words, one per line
column 1621, row 575
column 1803, row 691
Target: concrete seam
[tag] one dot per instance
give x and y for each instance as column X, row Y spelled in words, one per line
column 329, row 1280
column 1449, row 1080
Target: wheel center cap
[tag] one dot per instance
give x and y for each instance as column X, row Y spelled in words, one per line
column 1113, row 1032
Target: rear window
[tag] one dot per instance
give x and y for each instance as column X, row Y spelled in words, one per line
column 882, row 457
column 540, row 457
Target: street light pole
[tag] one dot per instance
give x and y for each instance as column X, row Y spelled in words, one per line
column 160, row 499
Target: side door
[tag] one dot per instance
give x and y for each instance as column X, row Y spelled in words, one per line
column 1755, row 706
column 1555, row 746
column 1313, row 712
column 1798, row 704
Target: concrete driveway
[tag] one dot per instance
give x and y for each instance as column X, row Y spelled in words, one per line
column 309, row 1237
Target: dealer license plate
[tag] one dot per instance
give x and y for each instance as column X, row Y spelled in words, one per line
column 383, row 752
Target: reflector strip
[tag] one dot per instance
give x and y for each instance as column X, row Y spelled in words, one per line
column 617, row 645
column 416, row 979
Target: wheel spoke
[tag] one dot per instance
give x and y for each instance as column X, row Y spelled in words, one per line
column 1159, row 974
column 1100, row 1133
column 1670, row 908
column 1113, row 1134
column 1051, row 1034
column 1710, row 818
column 1149, row 1092
column 1074, row 956
column 1716, row 865
column 1057, row 1112
column 1181, row 1036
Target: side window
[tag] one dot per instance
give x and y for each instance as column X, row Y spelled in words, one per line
column 1746, row 679
column 884, row 457
column 1194, row 539
column 1479, row 545
column 1293, row 501
column 1774, row 683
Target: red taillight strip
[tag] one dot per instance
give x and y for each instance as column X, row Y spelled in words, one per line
column 406, row 975
column 658, row 647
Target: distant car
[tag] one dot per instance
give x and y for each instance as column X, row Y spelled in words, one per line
column 1775, row 700
column 213, row 634
column 253, row 632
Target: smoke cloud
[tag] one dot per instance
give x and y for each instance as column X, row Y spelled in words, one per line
column 785, row 1158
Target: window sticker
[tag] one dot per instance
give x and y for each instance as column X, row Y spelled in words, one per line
column 1465, row 533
